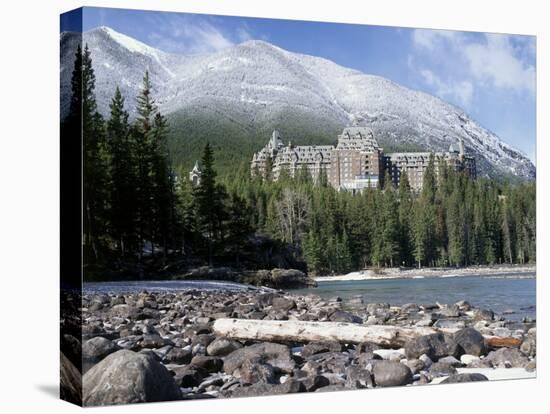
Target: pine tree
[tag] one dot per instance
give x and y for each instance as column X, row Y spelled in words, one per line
column 123, row 177
column 208, row 201
column 390, row 229
column 95, row 165
column 238, row 227
column 405, row 219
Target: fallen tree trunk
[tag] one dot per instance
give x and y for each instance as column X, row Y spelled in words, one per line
column 304, row 331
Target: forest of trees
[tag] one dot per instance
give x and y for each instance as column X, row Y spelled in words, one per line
column 141, row 214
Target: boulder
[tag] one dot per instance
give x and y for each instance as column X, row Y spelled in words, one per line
column 70, row 386
column 506, row 358
column 178, row 356
column 470, row 341
column 276, row 355
column 283, row 304
column 222, row 347
column 464, row 377
column 391, row 373
column 435, row 346
column 210, row 364
column 95, row 349
column 357, row 377
column 72, row 349
column 127, row 377
column 253, row 371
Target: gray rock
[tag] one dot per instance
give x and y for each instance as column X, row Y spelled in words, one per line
column 253, row 371
column 95, row 349
column 357, row 377
column 153, row 341
column 449, row 324
column 222, row 347
column 283, row 304
column 108, row 382
column 471, row 341
column 276, row 355
column 531, row 366
column 450, row 360
column 314, row 382
column 318, row 347
column 342, row 316
column 209, row 363
column 263, row 388
column 70, row 386
column 72, row 349
column 435, row 346
column 391, row 373
column 529, row 346
column 415, row 365
column 484, row 315
column 465, row 377
column 441, row 369
column 188, row 376
column 506, row 357
column 178, row 356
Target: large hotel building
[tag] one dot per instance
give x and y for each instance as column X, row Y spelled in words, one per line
column 356, row 162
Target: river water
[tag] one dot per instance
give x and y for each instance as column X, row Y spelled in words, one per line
column 501, row 293
column 516, row 293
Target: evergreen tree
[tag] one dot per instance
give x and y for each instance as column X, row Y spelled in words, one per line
column 123, row 177
column 405, row 219
column 208, row 203
column 95, row 165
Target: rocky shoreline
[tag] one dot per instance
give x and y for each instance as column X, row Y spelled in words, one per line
column 165, row 345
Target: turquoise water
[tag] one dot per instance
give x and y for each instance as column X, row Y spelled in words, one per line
column 498, row 293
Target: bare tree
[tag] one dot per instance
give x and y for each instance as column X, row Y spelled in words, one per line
column 292, row 211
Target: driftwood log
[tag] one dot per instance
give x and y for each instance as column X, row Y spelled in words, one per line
column 349, row 333
column 304, row 331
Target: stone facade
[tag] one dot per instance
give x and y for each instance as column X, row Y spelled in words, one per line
column 355, row 163
column 416, row 163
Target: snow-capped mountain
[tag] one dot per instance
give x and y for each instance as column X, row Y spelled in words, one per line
column 256, row 86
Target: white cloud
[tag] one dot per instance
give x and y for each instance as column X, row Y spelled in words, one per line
column 496, row 61
column 431, row 39
column 490, row 60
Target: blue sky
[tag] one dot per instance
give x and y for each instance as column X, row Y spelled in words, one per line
column 490, row 76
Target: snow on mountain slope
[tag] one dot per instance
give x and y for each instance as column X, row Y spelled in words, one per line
column 256, row 82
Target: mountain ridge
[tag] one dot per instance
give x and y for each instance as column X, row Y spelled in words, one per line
column 255, row 86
